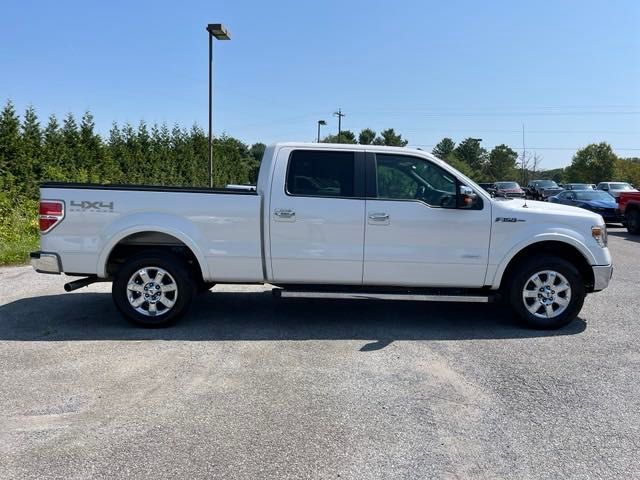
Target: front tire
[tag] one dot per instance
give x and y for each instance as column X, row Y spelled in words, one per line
column 153, row 289
column 546, row 292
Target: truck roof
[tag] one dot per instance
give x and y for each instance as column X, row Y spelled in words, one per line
column 350, row 146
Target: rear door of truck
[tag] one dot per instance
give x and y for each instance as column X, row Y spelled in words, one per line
column 316, row 216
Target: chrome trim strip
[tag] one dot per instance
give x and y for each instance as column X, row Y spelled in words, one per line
column 385, row 296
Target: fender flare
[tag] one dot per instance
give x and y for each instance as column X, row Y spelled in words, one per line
column 543, row 237
column 132, row 224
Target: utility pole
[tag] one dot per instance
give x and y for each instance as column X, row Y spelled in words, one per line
column 339, row 114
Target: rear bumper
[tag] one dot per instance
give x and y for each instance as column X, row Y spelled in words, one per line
column 46, row 262
column 601, row 276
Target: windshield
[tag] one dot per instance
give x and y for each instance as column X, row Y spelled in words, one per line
column 620, row 186
column 547, row 183
column 593, row 195
column 507, row 185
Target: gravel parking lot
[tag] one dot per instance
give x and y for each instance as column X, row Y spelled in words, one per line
column 249, row 386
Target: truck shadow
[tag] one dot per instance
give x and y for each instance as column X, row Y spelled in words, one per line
column 625, row 235
column 225, row 316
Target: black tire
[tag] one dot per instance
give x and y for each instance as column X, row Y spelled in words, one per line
column 520, row 279
column 633, row 222
column 150, row 261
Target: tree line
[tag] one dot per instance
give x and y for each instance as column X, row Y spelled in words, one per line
column 71, row 150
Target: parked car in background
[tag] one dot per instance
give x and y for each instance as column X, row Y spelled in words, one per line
column 508, row 189
column 579, row 186
column 595, row 200
column 542, row 189
column 616, row 188
column 487, row 187
column 629, row 204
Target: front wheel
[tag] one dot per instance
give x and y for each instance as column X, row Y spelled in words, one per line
column 153, row 289
column 547, row 292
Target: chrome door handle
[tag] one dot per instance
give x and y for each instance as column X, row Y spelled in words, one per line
column 284, row 213
column 379, row 217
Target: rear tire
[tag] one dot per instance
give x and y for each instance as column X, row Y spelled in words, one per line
column 546, row 292
column 153, row 289
column 633, row 222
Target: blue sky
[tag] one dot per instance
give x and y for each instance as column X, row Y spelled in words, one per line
column 568, row 70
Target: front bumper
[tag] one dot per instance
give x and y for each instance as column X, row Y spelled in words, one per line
column 46, row 262
column 601, row 276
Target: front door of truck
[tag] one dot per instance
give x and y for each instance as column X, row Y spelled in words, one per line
column 316, row 217
column 419, row 230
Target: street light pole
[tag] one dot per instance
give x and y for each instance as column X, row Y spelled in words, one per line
column 320, row 122
column 221, row 33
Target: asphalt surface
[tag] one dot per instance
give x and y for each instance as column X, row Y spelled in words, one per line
column 253, row 387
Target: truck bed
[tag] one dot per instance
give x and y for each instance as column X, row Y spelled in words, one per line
column 221, row 227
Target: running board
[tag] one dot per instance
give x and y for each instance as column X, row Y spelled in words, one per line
column 283, row 293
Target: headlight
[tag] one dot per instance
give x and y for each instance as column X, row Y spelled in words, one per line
column 599, row 233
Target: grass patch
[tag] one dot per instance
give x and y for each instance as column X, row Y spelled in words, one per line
column 18, row 229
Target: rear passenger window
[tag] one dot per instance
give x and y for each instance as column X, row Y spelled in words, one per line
column 321, row 174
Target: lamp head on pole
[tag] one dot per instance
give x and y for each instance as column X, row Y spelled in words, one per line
column 321, row 122
column 219, row 31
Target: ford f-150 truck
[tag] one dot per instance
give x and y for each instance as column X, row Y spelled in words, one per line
column 327, row 221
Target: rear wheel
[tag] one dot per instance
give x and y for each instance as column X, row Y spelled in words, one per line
column 153, row 289
column 547, row 292
column 633, row 221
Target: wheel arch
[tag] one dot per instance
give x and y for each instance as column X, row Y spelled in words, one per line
column 560, row 248
column 134, row 239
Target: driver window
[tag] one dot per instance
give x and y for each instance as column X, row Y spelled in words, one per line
column 402, row 177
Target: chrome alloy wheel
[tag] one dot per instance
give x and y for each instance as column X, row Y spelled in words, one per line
column 152, row 291
column 546, row 294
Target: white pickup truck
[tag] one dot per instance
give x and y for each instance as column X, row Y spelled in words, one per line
column 324, row 220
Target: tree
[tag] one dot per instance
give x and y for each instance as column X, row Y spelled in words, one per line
column 366, row 136
column 470, row 152
column 593, row 163
column 392, row 139
column 346, row 136
column 444, row 148
column 9, row 142
column 27, row 168
column 462, row 167
column 502, row 163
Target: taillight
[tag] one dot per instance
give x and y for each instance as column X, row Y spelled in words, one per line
column 51, row 213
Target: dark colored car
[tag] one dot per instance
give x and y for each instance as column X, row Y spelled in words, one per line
column 508, row 189
column 595, row 200
column 487, row 187
column 542, row 189
column 579, row 186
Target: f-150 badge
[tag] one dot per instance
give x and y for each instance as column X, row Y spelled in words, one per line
column 509, row 219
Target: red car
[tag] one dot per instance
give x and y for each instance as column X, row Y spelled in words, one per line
column 629, row 204
column 507, row 189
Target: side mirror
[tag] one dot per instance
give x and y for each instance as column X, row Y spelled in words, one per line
column 605, row 188
column 467, row 198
